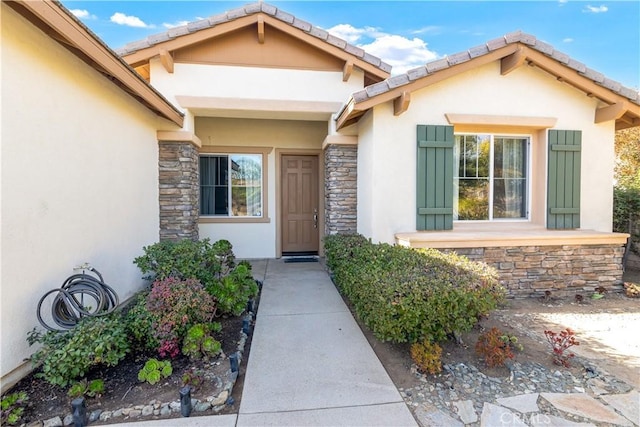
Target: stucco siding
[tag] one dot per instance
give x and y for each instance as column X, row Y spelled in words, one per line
column 257, row 240
column 79, row 178
column 527, row 91
column 253, row 83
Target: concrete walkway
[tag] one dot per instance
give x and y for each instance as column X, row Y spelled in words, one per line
column 309, row 363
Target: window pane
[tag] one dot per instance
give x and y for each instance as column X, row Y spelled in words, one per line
column 510, row 184
column 246, row 185
column 473, row 199
column 214, row 185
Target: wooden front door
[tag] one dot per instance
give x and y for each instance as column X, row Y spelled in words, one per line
column 299, row 184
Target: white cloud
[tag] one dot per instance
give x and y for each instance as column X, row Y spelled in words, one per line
column 595, row 9
column 567, row 40
column 563, row 2
column 398, row 51
column 177, row 24
column 351, row 34
column 430, row 29
column 82, row 14
column 129, row 21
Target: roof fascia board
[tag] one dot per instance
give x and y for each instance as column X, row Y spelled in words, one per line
column 139, row 57
column 354, row 108
column 573, row 78
column 143, row 55
column 102, row 59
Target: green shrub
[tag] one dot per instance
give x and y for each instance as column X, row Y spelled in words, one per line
column 154, row 370
column 139, row 323
column 86, row 388
column 199, row 344
column 626, row 207
column 212, row 264
column 67, row 356
column 177, row 305
column 13, row 408
column 427, row 356
column 187, row 259
column 234, row 290
column 407, row 295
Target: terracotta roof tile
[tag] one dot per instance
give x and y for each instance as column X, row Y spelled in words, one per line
column 284, row 16
column 577, row 65
column 594, row 75
column 377, row 88
column 218, row 19
column 336, row 42
column 543, row 47
column 399, row 80
column 417, row 73
column 250, row 9
column 458, row 58
column 491, row 45
column 354, row 50
column 612, row 85
column 496, row 43
column 268, row 8
column 198, row 25
column 439, row 64
column 302, row 25
column 560, row 57
column 513, row 37
column 319, row 33
column 478, row 51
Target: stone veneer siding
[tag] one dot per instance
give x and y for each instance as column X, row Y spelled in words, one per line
column 564, row 270
column 341, row 174
column 179, row 188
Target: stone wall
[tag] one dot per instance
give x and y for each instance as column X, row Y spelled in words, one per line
column 564, row 270
column 179, row 188
column 341, row 174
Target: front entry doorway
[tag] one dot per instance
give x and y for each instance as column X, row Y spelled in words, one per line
column 299, row 204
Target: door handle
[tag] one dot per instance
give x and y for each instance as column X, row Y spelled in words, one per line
column 315, row 218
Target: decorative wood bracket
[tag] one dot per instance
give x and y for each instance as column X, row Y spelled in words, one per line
column 610, row 112
column 260, row 30
column 346, row 71
column 513, row 61
column 401, row 103
column 166, row 60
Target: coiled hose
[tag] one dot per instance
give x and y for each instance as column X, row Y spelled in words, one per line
column 81, row 295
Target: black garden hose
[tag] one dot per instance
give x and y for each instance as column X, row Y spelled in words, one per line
column 73, row 299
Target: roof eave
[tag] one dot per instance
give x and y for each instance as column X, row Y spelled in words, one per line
column 629, row 117
column 57, row 22
column 331, row 45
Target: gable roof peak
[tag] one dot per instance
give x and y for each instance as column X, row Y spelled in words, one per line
column 247, row 10
column 514, row 37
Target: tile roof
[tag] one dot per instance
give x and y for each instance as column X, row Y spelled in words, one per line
column 511, row 38
column 251, row 9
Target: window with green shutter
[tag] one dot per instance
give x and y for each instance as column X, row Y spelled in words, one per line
column 434, row 177
column 563, row 179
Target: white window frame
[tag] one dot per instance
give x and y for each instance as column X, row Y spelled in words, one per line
column 492, row 137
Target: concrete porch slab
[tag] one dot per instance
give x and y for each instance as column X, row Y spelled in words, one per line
column 392, row 414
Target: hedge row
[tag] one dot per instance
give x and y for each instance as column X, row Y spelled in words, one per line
column 408, row 295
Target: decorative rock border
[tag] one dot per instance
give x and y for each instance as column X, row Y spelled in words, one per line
column 163, row 409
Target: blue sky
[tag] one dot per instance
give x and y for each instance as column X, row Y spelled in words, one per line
column 603, row 35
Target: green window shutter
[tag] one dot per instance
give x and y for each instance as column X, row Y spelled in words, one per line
column 435, row 178
column 563, row 179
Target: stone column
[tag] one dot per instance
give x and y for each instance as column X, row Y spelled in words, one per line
column 179, row 190
column 341, row 187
